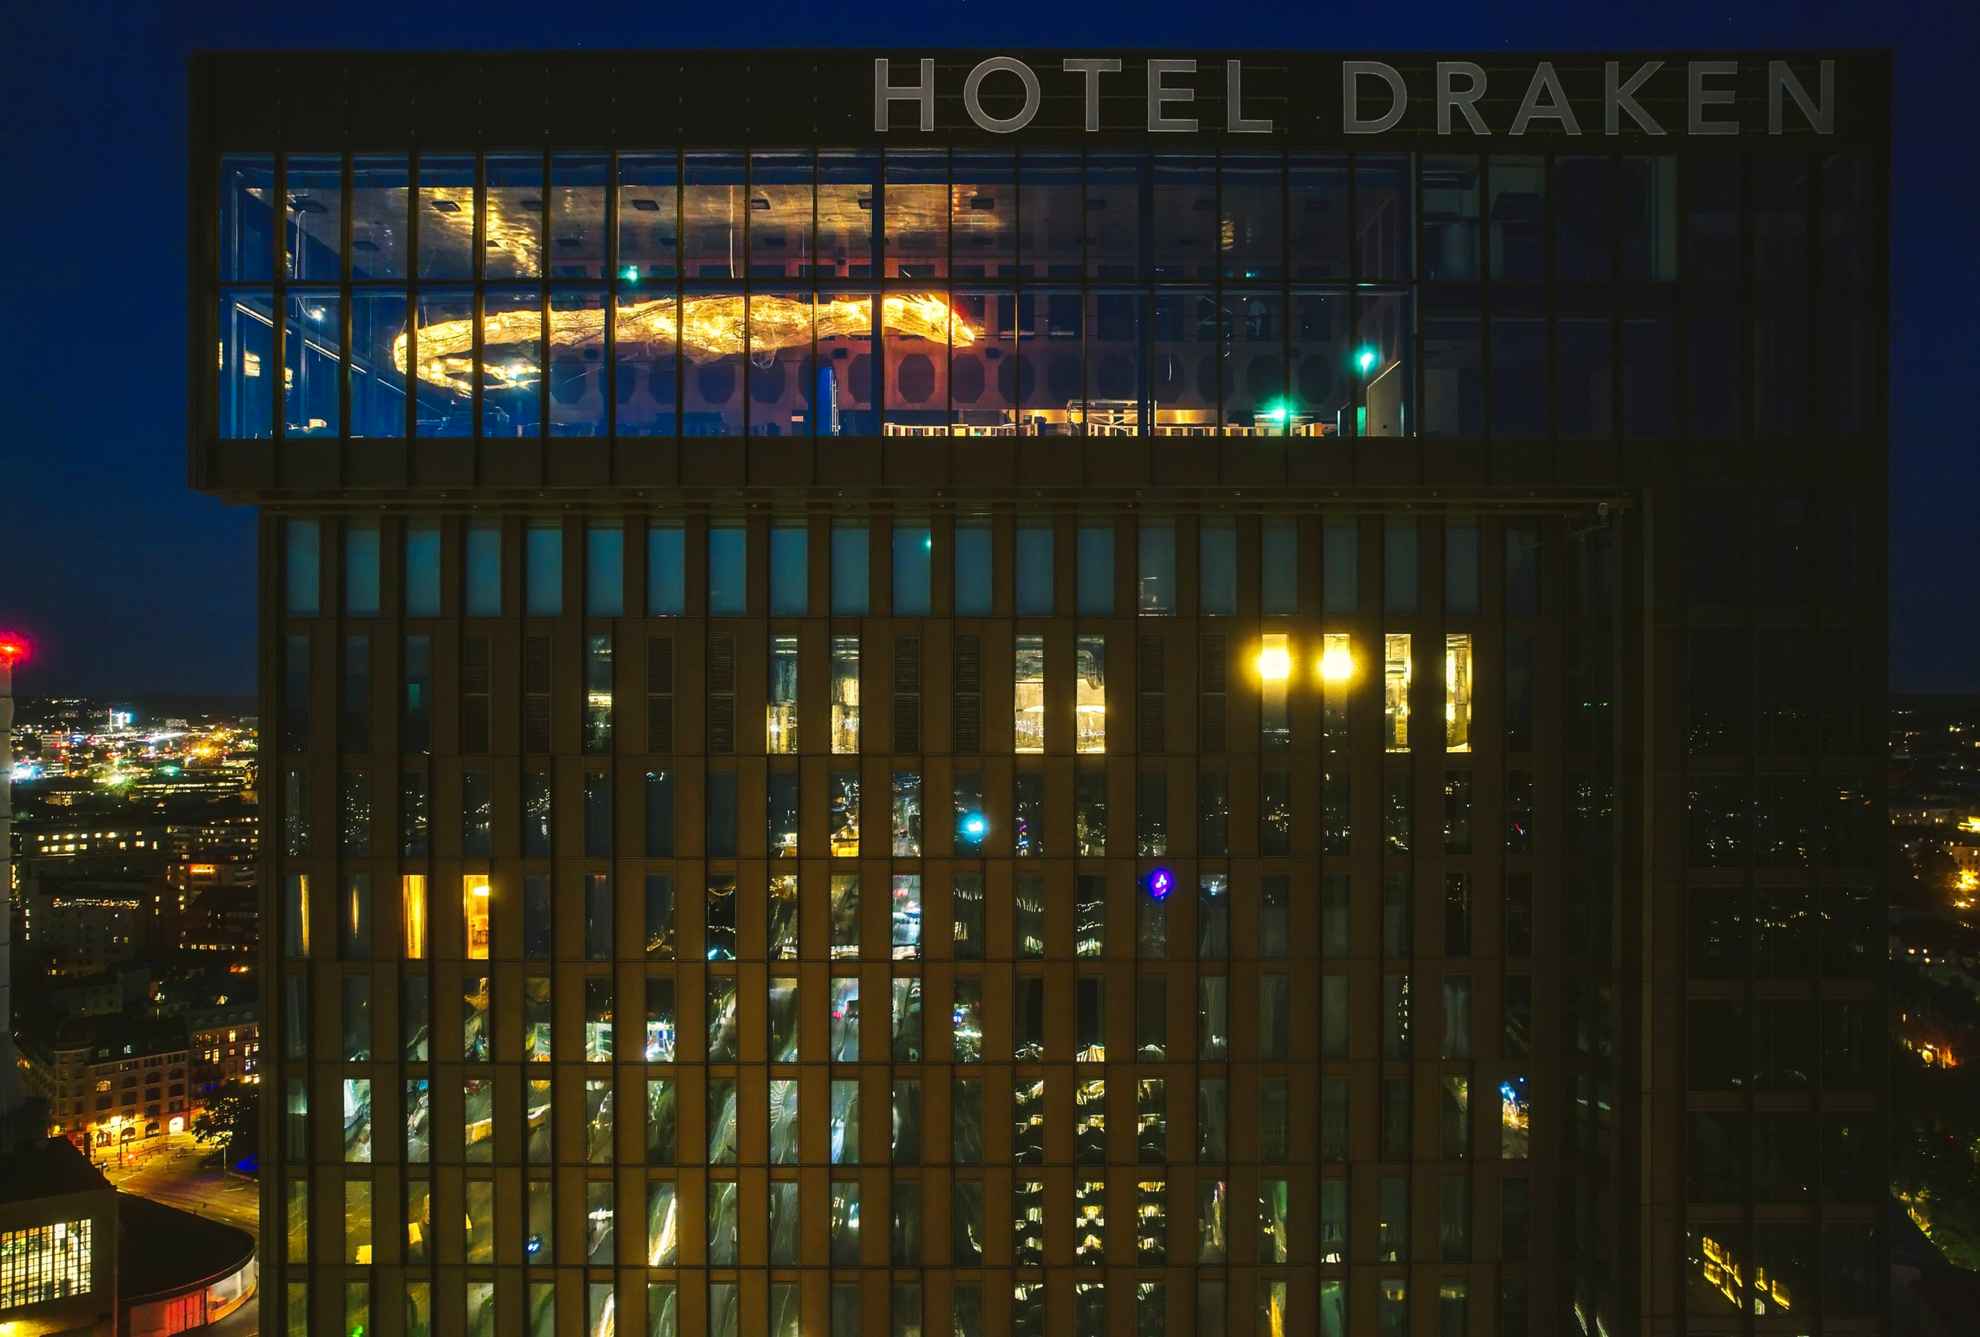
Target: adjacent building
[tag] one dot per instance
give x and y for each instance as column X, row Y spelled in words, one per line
column 109, row 1079
column 1181, row 693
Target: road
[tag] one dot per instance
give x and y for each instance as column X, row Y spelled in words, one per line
column 170, row 1170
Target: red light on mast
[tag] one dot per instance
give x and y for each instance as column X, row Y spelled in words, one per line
column 13, row 648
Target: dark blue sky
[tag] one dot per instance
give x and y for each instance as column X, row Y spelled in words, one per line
column 132, row 584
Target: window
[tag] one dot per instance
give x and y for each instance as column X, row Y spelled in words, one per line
column 790, row 573
column 604, row 570
column 906, row 826
column 543, row 573
column 849, row 569
column 1461, row 567
column 1457, row 692
column 728, row 571
column 1096, row 571
column 1399, row 566
column 1278, row 571
column 483, row 569
column 973, row 568
column 1034, row 569
column 1217, row 567
column 43, row 1263
column 1090, row 696
column 666, row 571
column 1028, row 694
column 1274, row 676
column 1395, row 692
column 914, row 549
column 1340, row 566
column 301, row 573
column 845, row 695
column 1515, row 1117
column 361, row 569
column 1156, row 581
column 780, row 721
column 475, row 916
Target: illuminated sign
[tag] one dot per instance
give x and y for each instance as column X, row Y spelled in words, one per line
column 1003, row 95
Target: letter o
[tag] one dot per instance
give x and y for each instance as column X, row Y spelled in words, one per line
column 973, row 85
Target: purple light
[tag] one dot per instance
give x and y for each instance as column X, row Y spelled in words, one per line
column 1159, row 883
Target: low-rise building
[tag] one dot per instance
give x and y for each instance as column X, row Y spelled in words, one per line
column 111, row 1079
column 58, row 1242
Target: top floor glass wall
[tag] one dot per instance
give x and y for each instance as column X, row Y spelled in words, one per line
column 1024, row 292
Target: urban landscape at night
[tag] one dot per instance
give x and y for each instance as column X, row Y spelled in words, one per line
column 951, row 679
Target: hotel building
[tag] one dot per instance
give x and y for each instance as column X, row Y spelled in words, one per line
column 1121, row 694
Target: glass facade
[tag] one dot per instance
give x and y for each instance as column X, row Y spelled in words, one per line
column 953, row 293
column 1292, row 902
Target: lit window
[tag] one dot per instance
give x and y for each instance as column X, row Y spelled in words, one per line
column 1515, row 1117
column 1457, row 692
column 780, row 714
column 1336, row 675
column 1028, row 704
column 412, row 911
column 845, row 694
column 474, row 915
column 1395, row 692
column 1274, row 672
column 42, row 1263
column 844, row 791
column 1090, row 718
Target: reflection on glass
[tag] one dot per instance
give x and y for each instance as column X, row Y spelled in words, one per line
column 780, row 711
column 1395, row 692
column 1457, row 692
column 1090, row 702
column 312, row 342
column 845, row 694
column 1028, row 705
column 247, row 364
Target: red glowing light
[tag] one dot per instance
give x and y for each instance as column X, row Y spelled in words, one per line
column 13, row 648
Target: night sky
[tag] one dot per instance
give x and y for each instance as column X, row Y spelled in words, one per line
column 131, row 584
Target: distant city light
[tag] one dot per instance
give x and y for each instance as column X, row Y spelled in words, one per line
column 1336, row 664
column 630, row 273
column 973, row 826
column 1365, row 360
column 1274, row 664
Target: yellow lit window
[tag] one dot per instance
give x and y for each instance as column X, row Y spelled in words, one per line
column 1395, row 692
column 845, row 694
column 1336, row 675
column 474, row 914
column 1028, row 695
column 1274, row 673
column 412, row 910
column 1457, row 692
column 1090, row 718
column 780, row 713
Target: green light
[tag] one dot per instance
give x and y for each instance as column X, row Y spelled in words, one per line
column 630, row 273
column 1278, row 411
column 1364, row 361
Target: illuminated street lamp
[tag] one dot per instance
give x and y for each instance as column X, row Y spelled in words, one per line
column 1365, row 360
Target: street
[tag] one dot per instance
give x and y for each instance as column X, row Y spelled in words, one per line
column 170, row 1170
